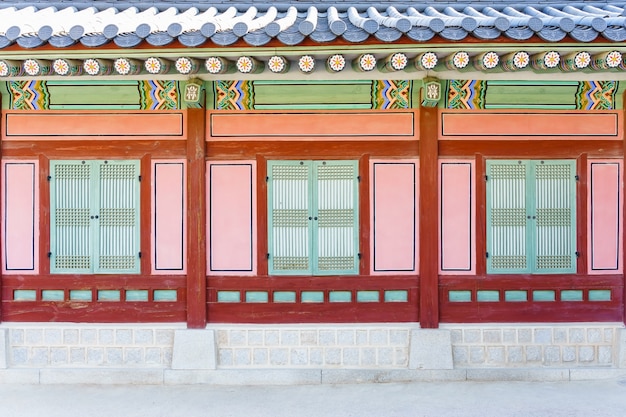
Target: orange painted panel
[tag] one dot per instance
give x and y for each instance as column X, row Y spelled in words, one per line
column 230, row 126
column 605, row 225
column 457, row 225
column 93, row 125
column 394, row 216
column 169, row 213
column 20, row 217
column 231, row 224
column 552, row 125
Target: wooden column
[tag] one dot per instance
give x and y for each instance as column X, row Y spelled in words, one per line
column 196, row 219
column 624, row 212
column 429, row 215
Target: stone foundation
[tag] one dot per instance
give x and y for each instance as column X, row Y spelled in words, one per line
column 307, row 354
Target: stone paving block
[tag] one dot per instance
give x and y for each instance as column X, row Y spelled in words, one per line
column 19, row 376
column 430, row 349
column 511, row 374
column 621, row 348
column 194, row 349
column 4, row 348
column 102, row 376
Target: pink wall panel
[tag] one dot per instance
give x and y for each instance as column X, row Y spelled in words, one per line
column 605, row 219
column 20, row 217
column 457, row 227
column 231, row 205
column 169, row 236
column 394, row 217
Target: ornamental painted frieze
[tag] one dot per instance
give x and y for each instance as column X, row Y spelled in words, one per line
column 596, row 95
column 34, row 95
column 461, row 61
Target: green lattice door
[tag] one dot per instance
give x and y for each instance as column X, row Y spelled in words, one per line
column 313, row 217
column 531, row 216
column 94, row 217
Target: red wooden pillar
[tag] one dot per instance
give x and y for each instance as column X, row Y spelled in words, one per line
column 429, row 215
column 196, row 219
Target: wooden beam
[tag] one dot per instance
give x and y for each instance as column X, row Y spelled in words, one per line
column 429, row 213
column 196, row 220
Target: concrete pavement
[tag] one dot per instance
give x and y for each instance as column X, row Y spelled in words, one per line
column 597, row 398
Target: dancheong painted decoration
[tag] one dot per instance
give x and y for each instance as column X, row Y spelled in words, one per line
column 311, row 186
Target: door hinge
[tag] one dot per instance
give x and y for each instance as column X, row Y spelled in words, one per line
column 140, row 178
column 267, row 179
column 577, row 178
column 577, row 254
column 359, row 255
column 49, row 178
column 267, row 256
column 358, row 178
column 486, row 177
column 139, row 255
column 486, row 254
column 49, row 254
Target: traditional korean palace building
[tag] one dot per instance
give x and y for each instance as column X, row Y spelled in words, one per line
column 304, row 192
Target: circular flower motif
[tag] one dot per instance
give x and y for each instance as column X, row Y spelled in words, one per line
column 582, row 60
column 521, row 59
column 31, row 67
column 213, row 65
column 367, row 62
column 153, row 65
column 245, row 64
column 61, row 67
column 306, row 63
column 399, row 61
column 122, row 66
column 551, row 59
column 337, row 62
column 4, row 69
column 429, row 60
column 460, row 60
column 91, row 66
column 184, row 65
column 276, row 64
column 490, row 60
column 614, row 59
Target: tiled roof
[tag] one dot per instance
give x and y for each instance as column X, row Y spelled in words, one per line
column 129, row 23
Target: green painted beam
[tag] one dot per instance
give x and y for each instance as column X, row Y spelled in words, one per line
column 531, row 95
column 93, row 95
column 327, row 93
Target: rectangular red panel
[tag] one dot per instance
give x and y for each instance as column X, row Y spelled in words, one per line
column 20, row 217
column 93, row 125
column 605, row 226
column 457, row 225
column 169, row 208
column 231, row 220
column 493, row 125
column 394, row 215
column 400, row 125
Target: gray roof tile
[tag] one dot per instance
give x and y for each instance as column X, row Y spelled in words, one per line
column 127, row 23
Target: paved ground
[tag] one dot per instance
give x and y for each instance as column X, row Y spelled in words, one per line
column 603, row 398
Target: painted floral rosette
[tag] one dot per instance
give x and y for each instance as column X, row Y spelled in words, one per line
column 426, row 61
column 185, row 65
column 336, row 63
column 458, row 61
column 516, row 61
column 10, row 68
column 576, row 61
column 97, row 67
column 609, row 60
column 278, row 64
column 306, row 64
column 365, row 63
column 549, row 60
column 156, row 66
column 125, row 66
column 487, row 61
column 34, row 67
